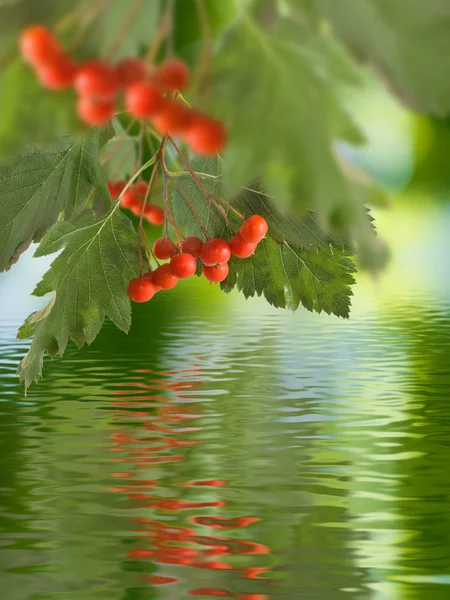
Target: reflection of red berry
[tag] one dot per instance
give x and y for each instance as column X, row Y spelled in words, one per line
column 154, row 214
column 215, row 252
column 183, row 265
column 96, row 79
column 216, row 274
column 95, row 112
column 58, row 74
column 240, row 248
column 38, row 45
column 207, row 136
column 253, row 229
column 164, row 278
column 141, row 289
column 173, row 118
column 164, row 248
column 173, row 75
column 192, row 245
column 129, row 71
column 143, row 100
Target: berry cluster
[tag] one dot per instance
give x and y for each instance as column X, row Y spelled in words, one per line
column 148, row 92
column 213, row 254
column 134, row 200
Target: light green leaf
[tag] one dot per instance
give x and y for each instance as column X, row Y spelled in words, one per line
column 278, row 94
column 89, row 278
column 41, row 182
column 30, row 113
column 298, row 262
column 124, row 27
column 406, row 40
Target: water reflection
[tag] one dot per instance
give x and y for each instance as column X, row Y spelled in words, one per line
column 155, row 429
column 232, row 453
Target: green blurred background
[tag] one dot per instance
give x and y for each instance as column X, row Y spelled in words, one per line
column 224, row 448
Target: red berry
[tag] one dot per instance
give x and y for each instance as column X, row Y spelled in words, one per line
column 140, row 188
column 143, row 100
column 215, row 252
column 96, row 79
column 95, row 112
column 129, row 199
column 120, row 186
column 154, row 214
column 58, row 74
column 192, row 245
column 240, row 248
column 129, row 71
column 112, row 187
column 39, row 46
column 183, row 265
column 207, row 136
column 253, row 229
column 216, row 274
column 149, row 276
column 137, row 207
column 164, row 278
column 173, row 118
column 141, row 289
column 164, row 248
column 173, row 75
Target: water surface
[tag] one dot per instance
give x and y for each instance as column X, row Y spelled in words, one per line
column 225, row 449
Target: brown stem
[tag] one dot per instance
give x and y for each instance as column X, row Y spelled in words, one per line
column 178, row 233
column 209, row 196
column 150, row 183
column 166, row 206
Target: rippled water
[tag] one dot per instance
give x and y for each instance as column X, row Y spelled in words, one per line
column 228, row 450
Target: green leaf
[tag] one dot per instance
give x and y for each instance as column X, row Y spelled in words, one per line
column 89, row 277
column 406, row 40
column 187, row 20
column 125, row 28
column 41, row 182
column 278, row 93
column 30, row 113
column 297, row 263
column 287, row 277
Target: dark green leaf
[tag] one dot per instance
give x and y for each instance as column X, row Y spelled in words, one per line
column 287, row 277
column 40, row 183
column 89, row 278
